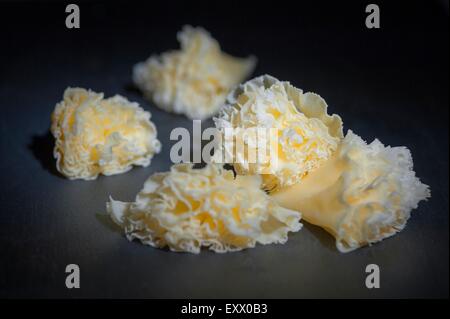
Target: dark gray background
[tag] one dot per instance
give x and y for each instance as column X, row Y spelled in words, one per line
column 390, row 83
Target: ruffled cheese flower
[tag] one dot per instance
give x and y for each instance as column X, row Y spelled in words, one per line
column 195, row 80
column 100, row 136
column 363, row 194
column 188, row 208
column 306, row 135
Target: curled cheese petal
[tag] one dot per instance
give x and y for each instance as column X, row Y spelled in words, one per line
column 361, row 195
column 194, row 80
column 186, row 209
column 306, row 134
column 100, row 136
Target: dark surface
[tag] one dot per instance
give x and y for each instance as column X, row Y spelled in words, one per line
column 390, row 83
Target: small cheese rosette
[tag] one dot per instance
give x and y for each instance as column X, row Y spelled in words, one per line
column 272, row 128
column 94, row 135
column 186, row 209
column 194, row 80
column 361, row 195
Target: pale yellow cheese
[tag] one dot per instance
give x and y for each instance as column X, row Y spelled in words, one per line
column 194, row 80
column 186, row 209
column 95, row 136
column 306, row 135
column 361, row 195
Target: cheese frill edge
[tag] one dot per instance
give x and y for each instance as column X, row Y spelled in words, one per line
column 306, row 134
column 194, row 80
column 186, row 209
column 362, row 195
column 94, row 135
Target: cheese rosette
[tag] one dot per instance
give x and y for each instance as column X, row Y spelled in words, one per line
column 186, row 209
column 194, row 80
column 305, row 135
column 361, row 195
column 94, row 135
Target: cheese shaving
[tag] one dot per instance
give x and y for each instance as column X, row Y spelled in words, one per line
column 363, row 194
column 186, row 209
column 307, row 135
column 100, row 136
column 194, row 80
